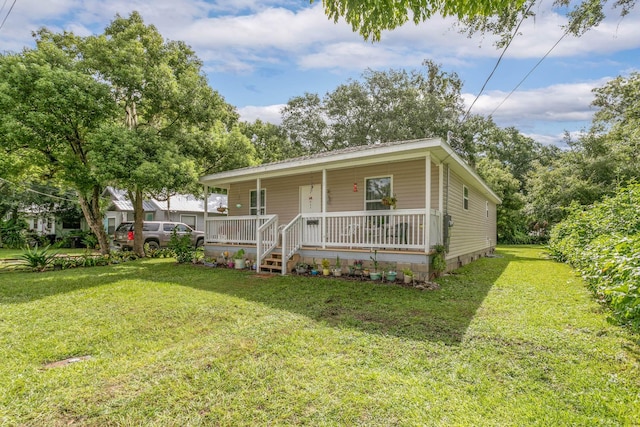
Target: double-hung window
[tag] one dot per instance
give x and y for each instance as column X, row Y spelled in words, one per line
column 254, row 202
column 376, row 189
column 465, row 197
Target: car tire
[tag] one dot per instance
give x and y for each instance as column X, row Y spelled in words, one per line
column 199, row 243
column 152, row 244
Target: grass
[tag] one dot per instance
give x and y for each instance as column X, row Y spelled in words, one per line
column 515, row 340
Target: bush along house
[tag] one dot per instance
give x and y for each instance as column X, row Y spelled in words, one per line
column 397, row 201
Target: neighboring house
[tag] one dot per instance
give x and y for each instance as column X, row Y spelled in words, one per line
column 180, row 207
column 45, row 223
column 333, row 204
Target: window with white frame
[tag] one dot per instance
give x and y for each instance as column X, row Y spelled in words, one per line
column 190, row 220
column 254, row 202
column 376, row 189
column 465, row 197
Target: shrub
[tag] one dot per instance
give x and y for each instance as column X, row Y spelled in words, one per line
column 38, row 259
column 182, row 247
column 603, row 244
column 12, row 233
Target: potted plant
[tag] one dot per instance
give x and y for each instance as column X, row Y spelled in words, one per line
column 314, row 268
column 302, row 268
column 408, row 275
column 238, row 259
column 390, row 274
column 325, row 267
column 375, row 274
column 337, row 271
column 390, row 201
column 221, row 209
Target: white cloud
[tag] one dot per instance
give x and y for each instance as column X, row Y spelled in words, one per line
column 267, row 113
column 555, row 103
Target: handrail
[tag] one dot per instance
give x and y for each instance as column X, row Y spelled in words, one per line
column 293, row 232
column 266, row 233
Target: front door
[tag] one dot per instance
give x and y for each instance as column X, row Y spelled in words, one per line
column 310, row 203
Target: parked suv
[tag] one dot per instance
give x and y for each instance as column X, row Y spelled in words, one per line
column 156, row 234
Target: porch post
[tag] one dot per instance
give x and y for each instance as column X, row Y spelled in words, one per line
column 257, row 225
column 324, row 208
column 427, row 198
column 206, row 212
column 441, row 199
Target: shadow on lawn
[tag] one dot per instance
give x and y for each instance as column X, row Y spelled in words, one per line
column 442, row 315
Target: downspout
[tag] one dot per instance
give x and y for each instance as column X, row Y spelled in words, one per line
column 427, row 198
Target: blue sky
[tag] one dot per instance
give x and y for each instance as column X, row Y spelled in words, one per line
column 259, row 54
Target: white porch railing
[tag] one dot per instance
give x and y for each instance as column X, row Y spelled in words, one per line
column 392, row 229
column 267, row 239
column 235, row 230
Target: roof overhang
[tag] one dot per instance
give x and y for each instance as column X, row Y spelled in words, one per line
column 439, row 151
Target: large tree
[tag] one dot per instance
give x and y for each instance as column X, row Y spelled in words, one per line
column 371, row 17
column 51, row 107
column 125, row 108
column 384, row 106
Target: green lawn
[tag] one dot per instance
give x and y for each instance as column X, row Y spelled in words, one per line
column 515, row 340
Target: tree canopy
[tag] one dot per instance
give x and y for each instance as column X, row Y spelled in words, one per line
column 124, row 108
column 370, row 17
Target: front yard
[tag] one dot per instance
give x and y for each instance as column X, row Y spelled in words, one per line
column 514, row 340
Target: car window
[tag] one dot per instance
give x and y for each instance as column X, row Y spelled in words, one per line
column 150, row 227
column 125, row 226
column 168, row 226
column 181, row 228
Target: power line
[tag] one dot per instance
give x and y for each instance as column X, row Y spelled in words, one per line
column 530, row 72
column 515, row 33
column 38, row 192
column 8, row 13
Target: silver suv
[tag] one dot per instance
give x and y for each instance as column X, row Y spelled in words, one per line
column 156, row 234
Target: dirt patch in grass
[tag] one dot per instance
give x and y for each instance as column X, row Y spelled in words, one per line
column 66, row 362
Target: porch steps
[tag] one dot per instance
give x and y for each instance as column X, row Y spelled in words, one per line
column 273, row 264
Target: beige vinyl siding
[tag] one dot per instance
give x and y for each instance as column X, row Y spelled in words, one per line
column 283, row 199
column 471, row 227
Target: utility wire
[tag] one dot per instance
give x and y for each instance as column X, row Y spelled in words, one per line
column 530, row 71
column 38, row 192
column 515, row 33
column 8, row 13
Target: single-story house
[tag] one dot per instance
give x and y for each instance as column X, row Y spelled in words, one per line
column 184, row 208
column 392, row 200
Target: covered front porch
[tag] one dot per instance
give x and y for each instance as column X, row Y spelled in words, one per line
column 403, row 232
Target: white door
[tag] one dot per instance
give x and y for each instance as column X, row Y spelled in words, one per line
column 310, row 203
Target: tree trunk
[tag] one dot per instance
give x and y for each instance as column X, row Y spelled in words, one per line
column 93, row 215
column 138, row 215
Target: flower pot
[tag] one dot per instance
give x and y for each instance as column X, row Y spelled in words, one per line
column 408, row 279
column 314, row 272
column 326, row 272
column 375, row 275
column 337, row 272
column 301, row 270
column 239, row 264
column 391, row 276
